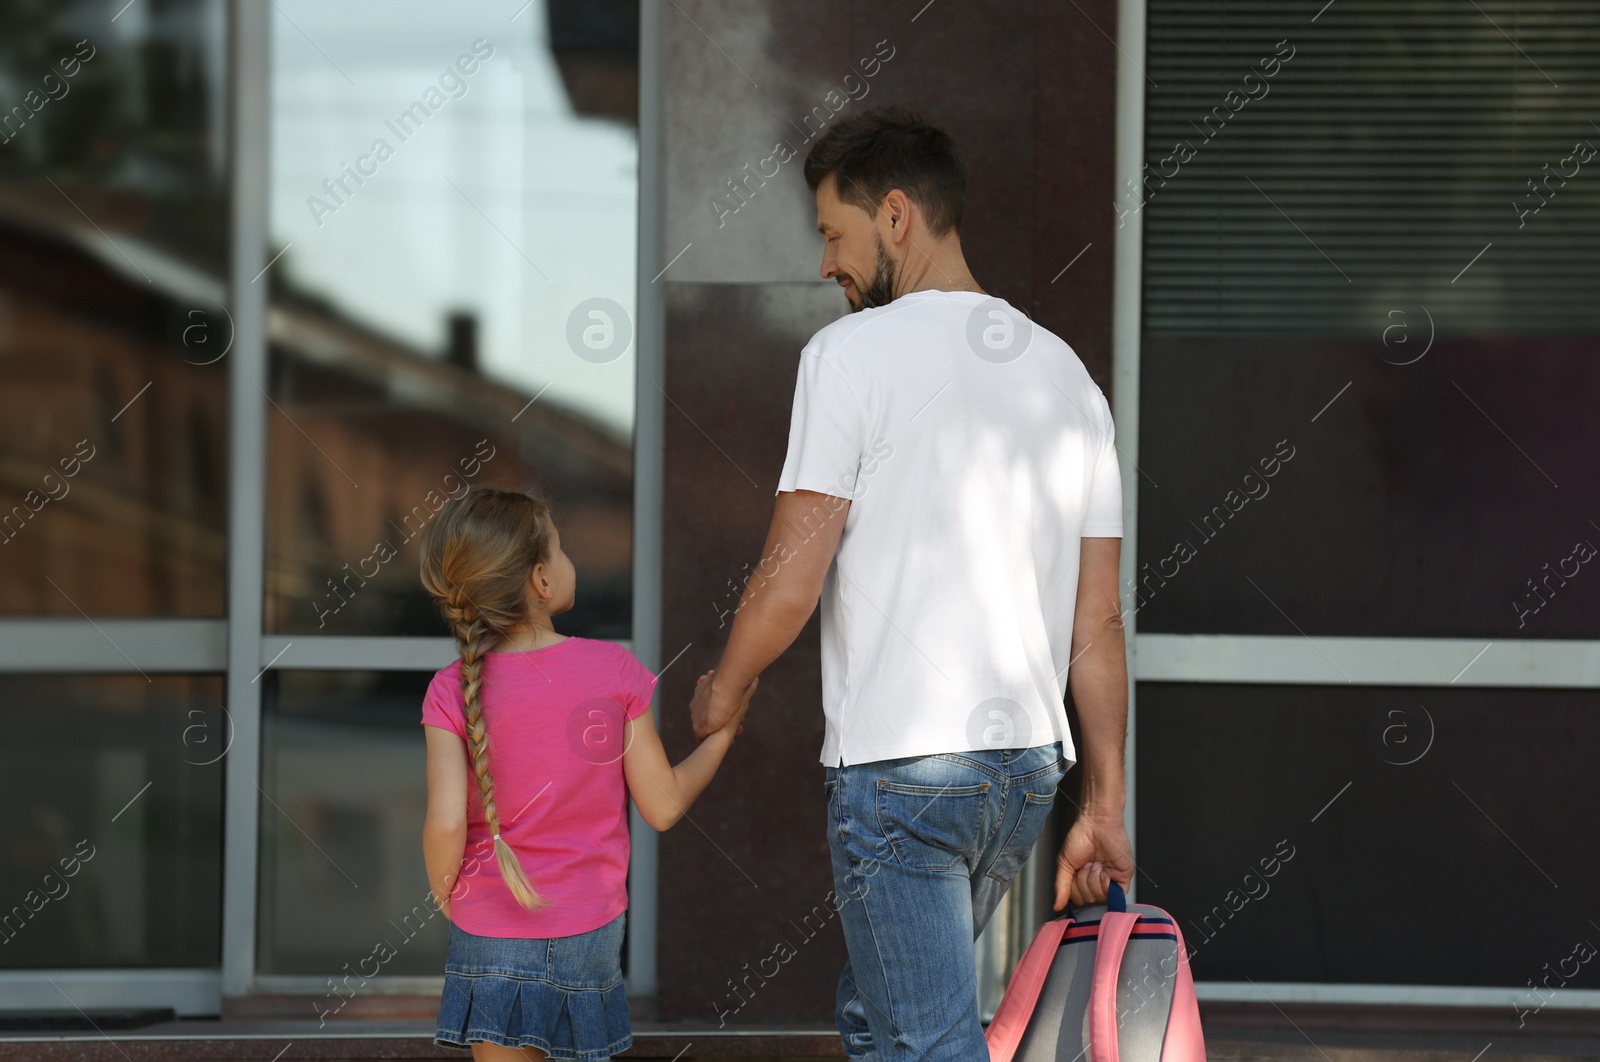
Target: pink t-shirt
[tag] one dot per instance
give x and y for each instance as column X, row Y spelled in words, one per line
column 555, row 741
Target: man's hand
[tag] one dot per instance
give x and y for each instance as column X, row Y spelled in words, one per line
column 1096, row 853
column 714, row 708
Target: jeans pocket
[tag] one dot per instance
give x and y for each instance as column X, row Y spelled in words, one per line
column 931, row 827
column 1030, row 824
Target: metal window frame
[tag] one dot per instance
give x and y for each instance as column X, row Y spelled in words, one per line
column 250, row 73
column 189, row 992
column 1338, row 660
column 1400, row 995
column 1193, row 658
column 648, row 466
column 1127, row 301
column 50, row 645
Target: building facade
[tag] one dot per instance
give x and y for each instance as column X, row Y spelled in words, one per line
column 277, row 279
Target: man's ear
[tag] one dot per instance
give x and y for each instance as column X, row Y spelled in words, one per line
column 899, row 208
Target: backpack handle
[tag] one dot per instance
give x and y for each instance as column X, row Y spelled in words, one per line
column 1116, row 899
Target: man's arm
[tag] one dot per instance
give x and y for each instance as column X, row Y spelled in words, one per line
column 777, row 601
column 1097, row 848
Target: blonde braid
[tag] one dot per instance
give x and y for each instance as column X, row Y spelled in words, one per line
column 475, row 636
column 489, row 540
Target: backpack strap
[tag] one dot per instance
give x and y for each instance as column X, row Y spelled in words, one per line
column 1184, row 1041
column 1115, row 928
column 1022, row 991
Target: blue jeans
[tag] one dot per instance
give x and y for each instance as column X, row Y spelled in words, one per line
column 923, row 849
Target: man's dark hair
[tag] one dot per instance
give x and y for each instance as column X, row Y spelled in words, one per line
column 876, row 151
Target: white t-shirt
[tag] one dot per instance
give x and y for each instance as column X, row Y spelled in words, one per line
column 976, row 451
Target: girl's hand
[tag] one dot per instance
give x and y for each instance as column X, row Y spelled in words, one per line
column 663, row 793
column 737, row 721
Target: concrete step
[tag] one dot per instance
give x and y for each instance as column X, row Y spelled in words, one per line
column 1242, row 1032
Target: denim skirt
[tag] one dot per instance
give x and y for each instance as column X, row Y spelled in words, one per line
column 563, row 995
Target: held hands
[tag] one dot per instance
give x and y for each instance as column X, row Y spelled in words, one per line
column 713, row 709
column 1096, row 853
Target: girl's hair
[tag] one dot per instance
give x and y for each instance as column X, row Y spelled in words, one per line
column 476, row 557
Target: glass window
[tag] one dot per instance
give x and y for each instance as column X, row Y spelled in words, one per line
column 454, row 199
column 111, row 841
column 1368, row 243
column 1373, row 520
column 113, row 250
column 1306, row 177
column 343, row 770
column 1372, row 835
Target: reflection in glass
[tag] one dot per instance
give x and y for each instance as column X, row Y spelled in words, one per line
column 454, row 195
column 113, row 243
column 343, row 767
column 111, row 837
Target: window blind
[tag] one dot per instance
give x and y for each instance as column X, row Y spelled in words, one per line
column 1312, row 166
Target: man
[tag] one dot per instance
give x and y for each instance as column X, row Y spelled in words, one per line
column 951, row 494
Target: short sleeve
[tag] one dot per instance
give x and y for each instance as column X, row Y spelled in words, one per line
column 825, row 431
column 1103, row 519
column 638, row 685
column 441, row 707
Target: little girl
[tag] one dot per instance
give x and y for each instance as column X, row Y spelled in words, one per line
column 531, row 736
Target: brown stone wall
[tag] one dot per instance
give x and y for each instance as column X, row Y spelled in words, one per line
column 1027, row 88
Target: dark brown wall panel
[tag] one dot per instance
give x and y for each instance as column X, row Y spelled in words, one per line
column 755, row 853
column 1027, row 89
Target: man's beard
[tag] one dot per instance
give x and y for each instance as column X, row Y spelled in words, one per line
column 881, row 291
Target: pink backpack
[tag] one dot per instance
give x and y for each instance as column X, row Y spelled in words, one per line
column 1107, row 983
